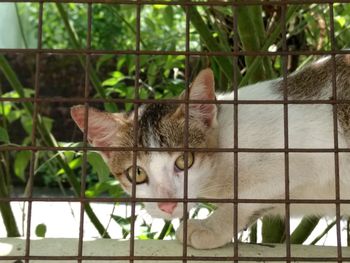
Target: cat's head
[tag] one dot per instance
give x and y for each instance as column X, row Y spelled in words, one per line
column 159, row 174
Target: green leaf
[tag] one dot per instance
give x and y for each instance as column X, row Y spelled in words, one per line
column 75, row 163
column 4, row 137
column 151, row 27
column 28, row 92
column 304, row 229
column 273, row 229
column 152, row 73
column 5, row 108
column 27, row 123
column 167, row 230
column 40, row 230
column 48, row 122
column 109, row 82
column 169, row 16
column 122, row 221
column 98, row 166
column 253, row 235
column 159, row 6
column 121, row 62
column 117, row 76
column 111, row 186
column 11, row 94
column 341, row 20
column 14, row 115
column 21, row 162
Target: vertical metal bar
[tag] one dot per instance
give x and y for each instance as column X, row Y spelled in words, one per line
column 138, row 5
column 33, row 137
column 186, row 134
column 335, row 133
column 235, row 133
column 85, row 138
column 285, row 124
column 135, row 152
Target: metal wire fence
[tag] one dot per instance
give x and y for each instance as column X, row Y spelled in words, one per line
column 37, row 102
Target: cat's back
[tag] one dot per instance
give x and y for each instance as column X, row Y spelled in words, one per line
column 315, row 81
column 312, row 82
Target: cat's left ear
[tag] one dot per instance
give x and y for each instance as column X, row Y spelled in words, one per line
column 102, row 126
column 203, row 88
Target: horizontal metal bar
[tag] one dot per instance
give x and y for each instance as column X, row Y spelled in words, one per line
column 168, row 101
column 171, row 149
column 179, row 200
column 173, row 258
column 84, row 51
column 187, row 3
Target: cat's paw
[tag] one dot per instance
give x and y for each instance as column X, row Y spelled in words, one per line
column 200, row 236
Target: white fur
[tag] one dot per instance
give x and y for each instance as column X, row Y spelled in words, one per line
column 165, row 182
column 262, row 175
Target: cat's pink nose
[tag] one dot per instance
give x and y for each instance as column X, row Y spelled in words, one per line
column 167, row 207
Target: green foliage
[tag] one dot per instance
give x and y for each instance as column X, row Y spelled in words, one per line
column 304, row 230
column 163, row 28
column 4, row 137
column 109, row 186
column 273, row 229
column 98, row 166
column 167, row 23
column 21, row 163
column 77, row 14
column 120, row 32
column 40, row 230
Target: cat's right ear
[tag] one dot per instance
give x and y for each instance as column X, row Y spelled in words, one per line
column 203, row 88
column 101, row 128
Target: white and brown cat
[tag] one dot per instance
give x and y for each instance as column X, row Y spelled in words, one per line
column 261, row 175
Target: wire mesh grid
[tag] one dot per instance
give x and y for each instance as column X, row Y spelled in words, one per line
column 88, row 52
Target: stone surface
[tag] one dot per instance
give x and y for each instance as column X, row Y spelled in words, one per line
column 14, row 248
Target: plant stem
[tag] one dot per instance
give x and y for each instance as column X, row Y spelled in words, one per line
column 252, row 33
column 319, row 237
column 21, row 26
column 5, row 184
column 166, row 228
column 273, row 229
column 132, row 28
column 5, row 209
column 76, row 43
column 6, row 156
column 254, row 66
column 49, row 140
column 304, row 229
column 253, row 233
column 9, row 219
column 225, row 63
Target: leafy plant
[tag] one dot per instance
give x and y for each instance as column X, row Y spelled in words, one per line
column 163, row 28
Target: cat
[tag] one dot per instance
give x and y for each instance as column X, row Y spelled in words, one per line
column 261, row 175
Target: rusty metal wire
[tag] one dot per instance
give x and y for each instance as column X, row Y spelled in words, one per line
column 88, row 52
column 189, row 3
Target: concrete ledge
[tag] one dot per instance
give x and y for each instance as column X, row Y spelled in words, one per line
column 15, row 247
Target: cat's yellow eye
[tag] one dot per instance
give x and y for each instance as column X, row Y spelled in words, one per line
column 180, row 161
column 141, row 175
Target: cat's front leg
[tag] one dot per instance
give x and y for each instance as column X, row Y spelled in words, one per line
column 213, row 232
column 217, row 229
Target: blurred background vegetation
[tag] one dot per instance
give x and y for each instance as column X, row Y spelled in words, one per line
column 162, row 28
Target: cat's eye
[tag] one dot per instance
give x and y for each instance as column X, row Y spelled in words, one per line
column 141, row 175
column 180, row 161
